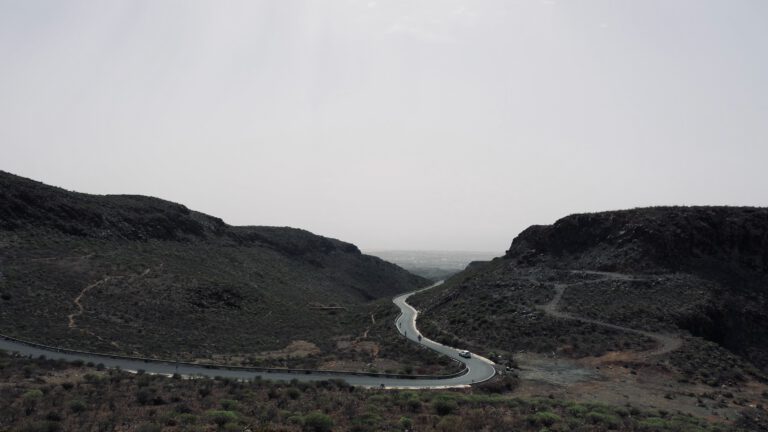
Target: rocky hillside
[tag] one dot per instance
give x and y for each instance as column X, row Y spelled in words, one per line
column 722, row 242
column 723, row 249
column 136, row 274
column 699, row 272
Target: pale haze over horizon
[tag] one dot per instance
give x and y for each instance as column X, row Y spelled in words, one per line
column 432, row 125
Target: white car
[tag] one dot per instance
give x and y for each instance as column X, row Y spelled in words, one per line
column 465, row 354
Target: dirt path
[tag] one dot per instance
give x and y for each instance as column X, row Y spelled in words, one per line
column 627, row 377
column 71, row 318
column 665, row 342
column 368, row 329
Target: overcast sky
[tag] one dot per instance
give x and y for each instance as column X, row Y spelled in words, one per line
column 442, row 125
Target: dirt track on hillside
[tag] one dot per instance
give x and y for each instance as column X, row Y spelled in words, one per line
column 665, row 342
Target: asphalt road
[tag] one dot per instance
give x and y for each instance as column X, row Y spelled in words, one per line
column 479, row 369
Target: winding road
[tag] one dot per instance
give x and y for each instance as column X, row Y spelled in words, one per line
column 478, row 369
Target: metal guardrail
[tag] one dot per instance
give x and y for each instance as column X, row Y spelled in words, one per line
column 463, row 371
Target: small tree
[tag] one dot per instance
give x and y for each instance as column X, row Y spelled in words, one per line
column 317, row 422
column 77, row 406
column 406, row 423
column 31, row 397
column 143, row 396
column 443, row 406
column 221, row 417
column 414, row 405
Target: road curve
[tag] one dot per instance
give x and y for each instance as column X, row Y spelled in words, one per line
column 478, row 369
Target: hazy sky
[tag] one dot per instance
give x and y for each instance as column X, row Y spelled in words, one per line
column 391, row 124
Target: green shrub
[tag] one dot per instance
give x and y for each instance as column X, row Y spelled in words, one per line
column 187, row 419
column 414, row 405
column 144, row 395
column 406, row 423
column 32, row 395
column 608, row 420
column 367, row 422
column 149, row 427
column 449, row 423
column 295, row 419
column 577, row 410
column 653, row 424
column 621, row 412
column 294, row 393
column 317, row 422
column 379, row 399
column 444, row 407
column 229, row 404
column 544, row 418
column 77, row 406
column 221, row 417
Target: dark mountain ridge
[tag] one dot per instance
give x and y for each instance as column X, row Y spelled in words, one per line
column 726, row 242
column 131, row 272
column 724, row 248
column 26, row 203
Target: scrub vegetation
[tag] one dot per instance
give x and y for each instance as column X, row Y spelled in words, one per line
column 46, row 395
column 141, row 276
column 697, row 273
column 494, row 310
